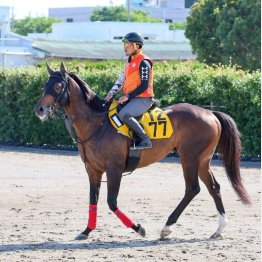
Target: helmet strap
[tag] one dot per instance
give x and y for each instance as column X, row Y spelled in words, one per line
column 136, row 51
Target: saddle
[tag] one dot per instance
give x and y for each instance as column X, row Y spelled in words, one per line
column 155, row 122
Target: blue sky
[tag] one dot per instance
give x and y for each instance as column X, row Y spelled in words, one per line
column 22, row 8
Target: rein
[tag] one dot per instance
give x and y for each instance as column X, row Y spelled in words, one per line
column 78, row 117
column 69, row 120
column 54, row 112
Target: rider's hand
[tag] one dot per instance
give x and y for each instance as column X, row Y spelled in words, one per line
column 109, row 97
column 122, row 99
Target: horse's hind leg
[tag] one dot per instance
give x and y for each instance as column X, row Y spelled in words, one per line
column 190, row 168
column 213, row 187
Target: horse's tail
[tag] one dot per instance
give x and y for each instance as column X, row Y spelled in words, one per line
column 229, row 146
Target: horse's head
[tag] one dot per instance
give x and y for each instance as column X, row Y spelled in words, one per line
column 56, row 93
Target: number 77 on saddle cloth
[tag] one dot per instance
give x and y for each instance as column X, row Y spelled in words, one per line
column 155, row 122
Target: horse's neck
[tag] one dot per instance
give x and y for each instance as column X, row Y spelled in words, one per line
column 86, row 121
column 77, row 104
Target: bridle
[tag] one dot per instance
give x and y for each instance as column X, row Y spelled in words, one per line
column 63, row 98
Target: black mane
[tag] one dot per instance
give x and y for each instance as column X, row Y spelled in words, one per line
column 93, row 100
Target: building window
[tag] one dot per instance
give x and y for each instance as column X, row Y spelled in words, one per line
column 169, row 21
column 69, row 20
column 189, row 3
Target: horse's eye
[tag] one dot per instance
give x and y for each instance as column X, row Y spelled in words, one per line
column 57, row 88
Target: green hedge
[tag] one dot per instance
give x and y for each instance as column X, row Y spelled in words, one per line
column 236, row 90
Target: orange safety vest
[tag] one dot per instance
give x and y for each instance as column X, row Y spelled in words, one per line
column 132, row 76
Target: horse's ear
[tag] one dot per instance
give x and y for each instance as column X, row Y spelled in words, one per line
column 62, row 69
column 49, row 69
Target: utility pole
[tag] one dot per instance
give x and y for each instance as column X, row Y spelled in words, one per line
column 128, row 10
column 12, row 19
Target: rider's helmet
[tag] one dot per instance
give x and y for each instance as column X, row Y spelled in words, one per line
column 134, row 38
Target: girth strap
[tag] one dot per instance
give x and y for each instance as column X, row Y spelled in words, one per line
column 133, row 159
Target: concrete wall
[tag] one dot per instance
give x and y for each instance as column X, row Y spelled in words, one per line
column 9, row 59
column 179, row 36
column 109, row 31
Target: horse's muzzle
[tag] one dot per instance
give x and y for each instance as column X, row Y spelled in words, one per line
column 41, row 112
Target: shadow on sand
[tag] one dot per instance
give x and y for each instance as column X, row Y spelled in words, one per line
column 53, row 245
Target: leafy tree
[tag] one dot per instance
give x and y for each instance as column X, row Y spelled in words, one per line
column 240, row 33
column 143, row 16
column 177, row 26
column 226, row 31
column 201, row 28
column 34, row 25
column 120, row 13
column 117, row 13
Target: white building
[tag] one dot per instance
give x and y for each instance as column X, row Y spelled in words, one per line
column 167, row 10
column 72, row 14
column 15, row 50
column 111, row 31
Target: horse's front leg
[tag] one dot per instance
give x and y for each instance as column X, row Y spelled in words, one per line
column 113, row 185
column 92, row 218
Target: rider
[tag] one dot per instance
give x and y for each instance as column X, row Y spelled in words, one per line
column 137, row 81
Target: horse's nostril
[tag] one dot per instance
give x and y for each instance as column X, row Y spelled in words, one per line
column 39, row 109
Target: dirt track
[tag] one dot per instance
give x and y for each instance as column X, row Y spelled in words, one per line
column 44, row 201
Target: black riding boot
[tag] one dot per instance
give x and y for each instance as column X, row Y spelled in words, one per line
column 139, row 131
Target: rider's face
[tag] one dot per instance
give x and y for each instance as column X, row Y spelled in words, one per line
column 129, row 48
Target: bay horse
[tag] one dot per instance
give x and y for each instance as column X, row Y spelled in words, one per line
column 197, row 133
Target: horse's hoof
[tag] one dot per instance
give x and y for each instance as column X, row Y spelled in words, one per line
column 141, row 231
column 216, row 236
column 81, row 237
column 165, row 232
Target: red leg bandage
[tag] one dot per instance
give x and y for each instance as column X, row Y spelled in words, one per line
column 92, row 217
column 125, row 220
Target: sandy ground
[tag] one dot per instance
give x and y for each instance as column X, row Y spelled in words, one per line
column 44, row 201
